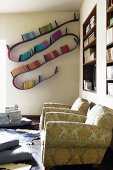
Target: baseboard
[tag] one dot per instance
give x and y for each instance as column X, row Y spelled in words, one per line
column 33, row 117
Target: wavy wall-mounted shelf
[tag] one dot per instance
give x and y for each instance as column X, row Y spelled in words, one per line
column 32, row 83
column 10, row 49
column 46, row 58
column 50, row 43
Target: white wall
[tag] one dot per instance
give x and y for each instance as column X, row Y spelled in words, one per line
column 100, row 96
column 63, row 87
column 3, row 75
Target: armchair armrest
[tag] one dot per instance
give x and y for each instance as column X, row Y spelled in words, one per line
column 57, row 105
column 53, row 109
column 73, row 134
column 61, row 116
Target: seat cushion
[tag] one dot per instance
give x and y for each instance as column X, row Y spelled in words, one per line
column 81, row 105
column 100, row 116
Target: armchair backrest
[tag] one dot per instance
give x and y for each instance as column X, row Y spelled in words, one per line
column 100, row 116
column 81, row 105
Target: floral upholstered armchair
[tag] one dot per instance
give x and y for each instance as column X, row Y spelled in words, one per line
column 69, row 139
column 80, row 107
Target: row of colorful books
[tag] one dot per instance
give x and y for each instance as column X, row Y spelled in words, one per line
column 40, row 47
column 28, row 84
column 18, row 70
column 35, row 64
column 31, row 35
column 54, row 54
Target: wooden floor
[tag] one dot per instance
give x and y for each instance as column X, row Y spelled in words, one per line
column 107, row 163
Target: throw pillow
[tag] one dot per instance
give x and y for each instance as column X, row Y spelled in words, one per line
column 81, row 105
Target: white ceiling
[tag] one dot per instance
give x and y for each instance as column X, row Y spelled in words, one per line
column 12, row 6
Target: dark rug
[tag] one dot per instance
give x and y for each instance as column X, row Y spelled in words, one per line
column 21, row 135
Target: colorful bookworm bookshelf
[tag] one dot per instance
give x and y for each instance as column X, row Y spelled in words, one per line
column 57, row 35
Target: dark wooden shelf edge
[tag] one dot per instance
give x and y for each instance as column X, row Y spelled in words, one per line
column 110, row 9
column 91, row 44
column 110, row 62
column 92, row 91
column 109, row 79
column 90, row 63
column 109, row 45
column 110, row 26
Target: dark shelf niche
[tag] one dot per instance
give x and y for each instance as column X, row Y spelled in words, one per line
column 89, row 64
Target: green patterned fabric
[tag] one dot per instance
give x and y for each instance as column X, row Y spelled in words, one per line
column 80, row 107
column 53, row 109
column 61, row 116
column 64, row 134
column 72, row 156
column 69, row 143
column 100, row 116
column 67, row 140
column 58, row 105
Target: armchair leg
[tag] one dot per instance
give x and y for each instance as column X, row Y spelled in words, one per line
column 47, row 168
column 96, row 165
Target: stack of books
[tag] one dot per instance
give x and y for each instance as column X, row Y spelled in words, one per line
column 25, row 56
column 64, row 49
column 28, row 36
column 28, row 84
column 91, row 24
column 34, row 65
column 88, row 28
column 46, row 28
column 110, row 89
column 87, row 85
column 109, row 54
column 109, row 72
column 109, row 35
column 89, row 55
column 92, row 21
column 56, row 35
